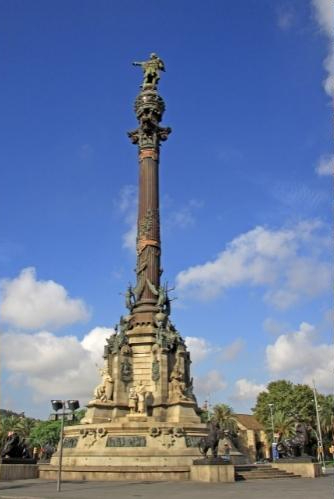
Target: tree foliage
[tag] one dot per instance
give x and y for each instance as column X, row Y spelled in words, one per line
column 292, row 402
column 45, row 432
column 223, row 413
column 17, row 423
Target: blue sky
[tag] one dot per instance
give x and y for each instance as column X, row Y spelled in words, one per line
column 245, row 189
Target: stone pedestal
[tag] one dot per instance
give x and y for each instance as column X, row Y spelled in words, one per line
column 305, row 469
column 212, row 472
column 18, row 471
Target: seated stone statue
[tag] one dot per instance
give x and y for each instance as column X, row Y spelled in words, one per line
column 104, row 391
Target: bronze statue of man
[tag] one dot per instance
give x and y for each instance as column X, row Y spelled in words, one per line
column 151, row 70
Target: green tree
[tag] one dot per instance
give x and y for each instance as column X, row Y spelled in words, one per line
column 24, row 426
column 7, row 424
column 78, row 415
column 294, row 401
column 283, row 424
column 45, row 432
column 204, row 415
column 223, row 413
column 326, row 414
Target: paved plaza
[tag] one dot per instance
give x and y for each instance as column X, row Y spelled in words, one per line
column 290, row 488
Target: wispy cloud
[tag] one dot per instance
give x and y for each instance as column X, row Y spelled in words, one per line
column 285, row 17
column 231, row 352
column 297, row 196
column 127, row 205
column 273, row 326
column 325, row 165
column 183, row 216
column 174, row 216
column 324, row 15
column 209, row 383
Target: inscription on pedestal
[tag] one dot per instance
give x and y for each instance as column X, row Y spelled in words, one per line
column 192, row 441
column 70, row 442
column 126, row 441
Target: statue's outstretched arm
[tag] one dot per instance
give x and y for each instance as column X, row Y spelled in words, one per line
column 137, row 63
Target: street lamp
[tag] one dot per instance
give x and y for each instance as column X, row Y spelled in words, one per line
column 273, row 431
column 320, row 452
column 56, row 406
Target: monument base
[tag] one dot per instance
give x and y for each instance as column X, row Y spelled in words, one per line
column 10, row 471
column 122, row 473
column 304, row 468
column 118, row 449
column 212, row 472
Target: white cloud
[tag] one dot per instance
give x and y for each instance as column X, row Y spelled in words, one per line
column 95, row 340
column 325, row 165
column 290, row 264
column 28, row 303
column 247, row 390
column 206, row 385
column 324, row 14
column 199, row 348
column 296, row 356
column 54, row 366
column 128, row 205
column 230, row 352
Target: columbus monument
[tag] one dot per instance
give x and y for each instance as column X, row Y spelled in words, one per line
column 143, row 419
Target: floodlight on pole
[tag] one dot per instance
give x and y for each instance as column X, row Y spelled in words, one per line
column 73, row 405
column 56, row 405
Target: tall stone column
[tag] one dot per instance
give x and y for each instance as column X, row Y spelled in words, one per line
column 149, row 108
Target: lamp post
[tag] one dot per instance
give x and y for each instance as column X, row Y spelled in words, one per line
column 56, row 405
column 321, row 456
column 273, row 446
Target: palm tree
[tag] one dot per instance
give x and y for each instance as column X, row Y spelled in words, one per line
column 326, row 415
column 8, row 423
column 24, row 426
column 223, row 413
column 284, row 424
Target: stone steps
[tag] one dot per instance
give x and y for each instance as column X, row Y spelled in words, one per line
column 260, row 472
